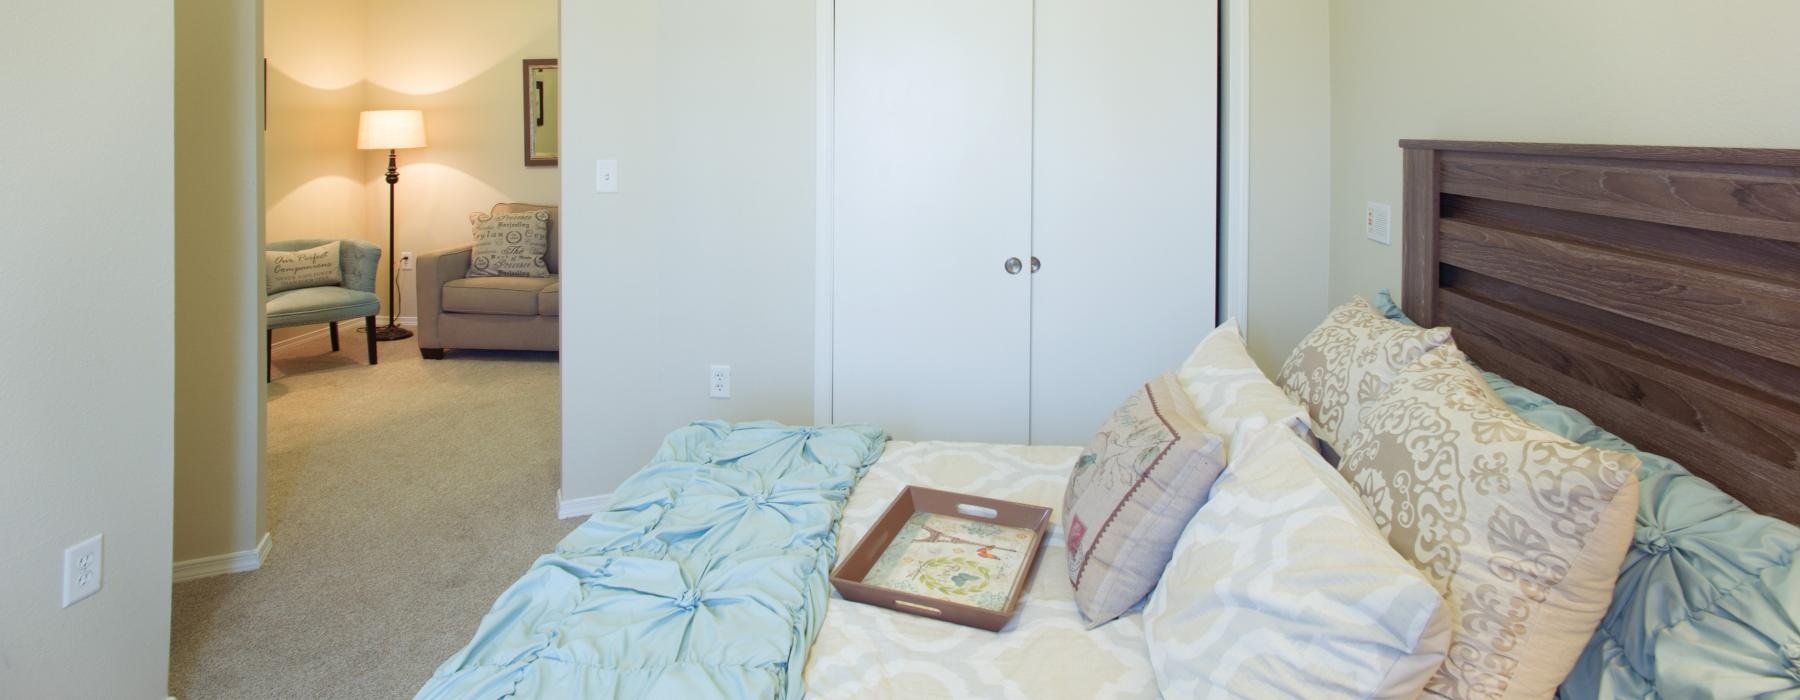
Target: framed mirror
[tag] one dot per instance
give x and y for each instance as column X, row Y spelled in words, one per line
column 542, row 92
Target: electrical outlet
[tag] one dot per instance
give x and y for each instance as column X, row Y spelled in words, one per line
column 406, row 261
column 81, row 570
column 1376, row 221
column 721, row 382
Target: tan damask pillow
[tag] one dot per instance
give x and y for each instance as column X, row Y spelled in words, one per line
column 510, row 245
column 1347, row 362
column 1521, row 530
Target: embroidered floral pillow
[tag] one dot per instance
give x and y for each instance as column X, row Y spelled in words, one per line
column 1133, row 490
column 510, row 245
column 1347, row 362
column 1521, row 530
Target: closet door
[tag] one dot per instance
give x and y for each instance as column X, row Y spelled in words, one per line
column 1125, row 204
column 932, row 195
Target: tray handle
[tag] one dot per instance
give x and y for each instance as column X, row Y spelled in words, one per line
column 918, row 608
column 975, row 511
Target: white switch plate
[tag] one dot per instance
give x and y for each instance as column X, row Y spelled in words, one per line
column 81, row 570
column 720, row 385
column 606, row 176
column 1377, row 223
column 406, row 261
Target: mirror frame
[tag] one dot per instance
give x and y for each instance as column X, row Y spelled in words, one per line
column 531, row 157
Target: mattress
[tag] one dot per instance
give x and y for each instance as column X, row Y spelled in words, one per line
column 869, row 652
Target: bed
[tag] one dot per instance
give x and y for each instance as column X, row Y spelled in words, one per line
column 1618, row 296
column 1653, row 290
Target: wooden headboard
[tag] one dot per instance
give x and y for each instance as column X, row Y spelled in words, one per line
column 1656, row 290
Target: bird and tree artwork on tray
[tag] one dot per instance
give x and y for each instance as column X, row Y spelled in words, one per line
column 953, row 559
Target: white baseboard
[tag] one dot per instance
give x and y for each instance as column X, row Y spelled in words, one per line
column 230, row 563
column 343, row 327
column 578, row 507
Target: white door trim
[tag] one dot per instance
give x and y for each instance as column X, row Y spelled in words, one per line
column 823, row 232
column 1234, row 179
column 1234, row 151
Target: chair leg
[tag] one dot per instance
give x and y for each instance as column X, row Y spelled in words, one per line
column 334, row 343
column 269, row 356
column 432, row 353
column 369, row 325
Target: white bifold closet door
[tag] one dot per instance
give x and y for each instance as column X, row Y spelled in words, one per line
column 971, row 133
column 1125, row 204
column 932, row 337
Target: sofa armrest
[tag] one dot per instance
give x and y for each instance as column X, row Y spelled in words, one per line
column 436, row 269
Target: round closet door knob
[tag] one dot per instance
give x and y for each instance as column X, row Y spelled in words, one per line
column 1013, row 266
column 1036, row 265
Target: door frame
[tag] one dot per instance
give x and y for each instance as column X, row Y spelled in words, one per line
column 1233, row 194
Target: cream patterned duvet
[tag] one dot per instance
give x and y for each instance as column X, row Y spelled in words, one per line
column 869, row 652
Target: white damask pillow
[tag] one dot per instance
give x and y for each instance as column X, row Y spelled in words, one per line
column 1282, row 587
column 1347, row 362
column 1235, row 398
column 1522, row 530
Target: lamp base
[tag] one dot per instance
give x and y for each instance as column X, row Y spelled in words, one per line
column 391, row 332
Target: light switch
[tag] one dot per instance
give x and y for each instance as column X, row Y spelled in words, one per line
column 606, row 176
column 1377, row 219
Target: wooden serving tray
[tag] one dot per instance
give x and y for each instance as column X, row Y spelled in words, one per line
column 955, row 557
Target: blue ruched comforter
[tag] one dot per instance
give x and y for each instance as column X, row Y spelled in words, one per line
column 706, row 577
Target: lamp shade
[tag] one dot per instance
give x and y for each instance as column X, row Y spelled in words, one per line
column 391, row 128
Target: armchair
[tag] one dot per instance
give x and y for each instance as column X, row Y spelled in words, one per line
column 355, row 296
column 488, row 313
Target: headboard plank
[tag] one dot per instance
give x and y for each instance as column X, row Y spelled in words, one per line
column 1655, row 289
column 1740, row 203
column 1681, row 297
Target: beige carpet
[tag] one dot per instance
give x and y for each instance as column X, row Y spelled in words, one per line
column 403, row 498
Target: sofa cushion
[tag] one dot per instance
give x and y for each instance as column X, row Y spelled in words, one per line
column 551, row 256
column 313, row 267
column 510, row 296
column 550, row 300
column 510, row 245
column 298, row 307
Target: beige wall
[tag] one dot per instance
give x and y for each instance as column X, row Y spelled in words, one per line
column 218, row 343
column 1289, row 172
column 87, row 378
column 460, row 62
column 1663, row 72
column 314, row 176
column 705, row 255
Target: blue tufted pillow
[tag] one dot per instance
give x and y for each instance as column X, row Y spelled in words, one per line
column 1707, row 598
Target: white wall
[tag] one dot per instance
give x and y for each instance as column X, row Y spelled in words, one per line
column 1289, row 165
column 1655, row 72
column 705, row 255
column 87, row 367
column 218, row 265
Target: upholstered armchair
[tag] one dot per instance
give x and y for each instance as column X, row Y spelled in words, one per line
column 488, row 313
column 352, row 298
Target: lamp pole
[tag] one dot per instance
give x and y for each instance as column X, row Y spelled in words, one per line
column 392, row 331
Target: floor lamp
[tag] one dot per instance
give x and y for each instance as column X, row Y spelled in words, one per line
column 391, row 130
